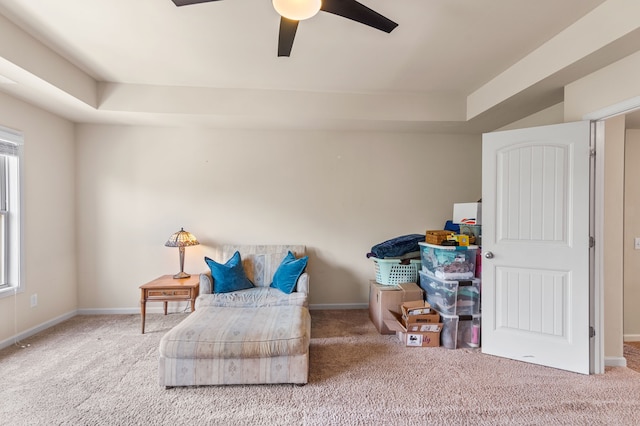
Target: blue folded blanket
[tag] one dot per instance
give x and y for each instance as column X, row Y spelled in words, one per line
column 397, row 247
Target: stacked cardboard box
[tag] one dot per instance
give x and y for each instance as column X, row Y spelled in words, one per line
column 419, row 325
column 385, row 301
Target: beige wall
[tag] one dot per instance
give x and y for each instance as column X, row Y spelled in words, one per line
column 49, row 219
column 551, row 115
column 613, row 235
column 338, row 193
column 632, row 230
column 611, row 85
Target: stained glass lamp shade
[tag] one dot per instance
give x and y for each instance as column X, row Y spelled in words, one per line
column 181, row 239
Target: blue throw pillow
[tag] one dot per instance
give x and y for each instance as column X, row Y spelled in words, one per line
column 230, row 276
column 288, row 272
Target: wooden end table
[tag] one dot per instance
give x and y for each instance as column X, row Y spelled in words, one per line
column 168, row 289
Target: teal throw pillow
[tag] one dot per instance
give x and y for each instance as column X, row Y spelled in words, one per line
column 288, row 272
column 230, row 276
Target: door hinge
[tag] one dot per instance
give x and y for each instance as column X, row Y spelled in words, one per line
column 592, row 152
column 592, row 332
column 592, row 242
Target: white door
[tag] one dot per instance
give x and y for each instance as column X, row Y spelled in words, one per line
column 535, row 245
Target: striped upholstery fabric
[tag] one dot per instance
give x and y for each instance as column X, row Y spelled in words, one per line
column 259, row 296
column 222, row 346
column 259, row 335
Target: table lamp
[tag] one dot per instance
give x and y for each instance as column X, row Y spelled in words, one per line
column 181, row 239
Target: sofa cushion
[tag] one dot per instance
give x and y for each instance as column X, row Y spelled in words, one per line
column 251, row 298
column 229, row 276
column 287, row 274
column 216, row 332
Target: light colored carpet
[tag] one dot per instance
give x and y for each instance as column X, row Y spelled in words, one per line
column 99, row 370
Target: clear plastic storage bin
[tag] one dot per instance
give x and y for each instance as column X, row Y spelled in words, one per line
column 460, row 331
column 452, row 297
column 449, row 262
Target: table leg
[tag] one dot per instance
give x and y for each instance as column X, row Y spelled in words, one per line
column 165, row 307
column 193, row 304
column 143, row 310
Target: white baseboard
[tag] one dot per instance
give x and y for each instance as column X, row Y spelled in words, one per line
column 129, row 311
column 30, row 332
column 159, row 309
column 111, row 311
column 338, row 306
column 615, row 361
column 631, row 337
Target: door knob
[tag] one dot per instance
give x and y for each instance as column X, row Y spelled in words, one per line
column 488, row 255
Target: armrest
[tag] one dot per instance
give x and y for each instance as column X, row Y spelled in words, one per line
column 206, row 283
column 302, row 286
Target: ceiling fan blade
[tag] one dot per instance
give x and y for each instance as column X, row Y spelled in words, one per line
column 358, row 12
column 288, row 29
column 188, row 2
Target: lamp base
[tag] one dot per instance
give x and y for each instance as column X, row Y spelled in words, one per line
column 181, row 275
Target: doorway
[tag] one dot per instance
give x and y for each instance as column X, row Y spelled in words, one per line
column 610, row 131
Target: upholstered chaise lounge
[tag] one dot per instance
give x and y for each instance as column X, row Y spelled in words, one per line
column 251, row 336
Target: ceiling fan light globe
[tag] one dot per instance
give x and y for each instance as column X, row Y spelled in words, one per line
column 297, row 10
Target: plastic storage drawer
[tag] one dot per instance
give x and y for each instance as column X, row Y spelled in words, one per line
column 448, row 262
column 460, row 331
column 451, row 297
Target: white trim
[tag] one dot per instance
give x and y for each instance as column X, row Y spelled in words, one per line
column 133, row 311
column 159, row 309
column 15, row 260
column 614, row 110
column 329, row 306
column 615, row 361
column 10, row 291
column 600, row 115
column 113, row 311
column 632, row 338
column 598, row 267
column 37, row 329
column 12, row 136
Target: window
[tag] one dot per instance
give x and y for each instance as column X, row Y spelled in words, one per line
column 11, row 144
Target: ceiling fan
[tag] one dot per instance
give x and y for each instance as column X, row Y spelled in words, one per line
column 293, row 11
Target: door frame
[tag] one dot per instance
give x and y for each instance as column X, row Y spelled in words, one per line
column 597, row 118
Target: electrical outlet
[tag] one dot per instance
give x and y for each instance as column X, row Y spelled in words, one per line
column 637, row 243
column 34, row 300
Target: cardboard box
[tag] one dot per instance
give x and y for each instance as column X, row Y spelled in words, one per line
column 385, row 300
column 467, row 213
column 418, row 312
column 423, row 335
column 417, row 335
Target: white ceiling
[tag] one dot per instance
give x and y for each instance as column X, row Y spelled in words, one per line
column 442, row 49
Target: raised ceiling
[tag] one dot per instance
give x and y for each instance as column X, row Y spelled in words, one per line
column 216, row 63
